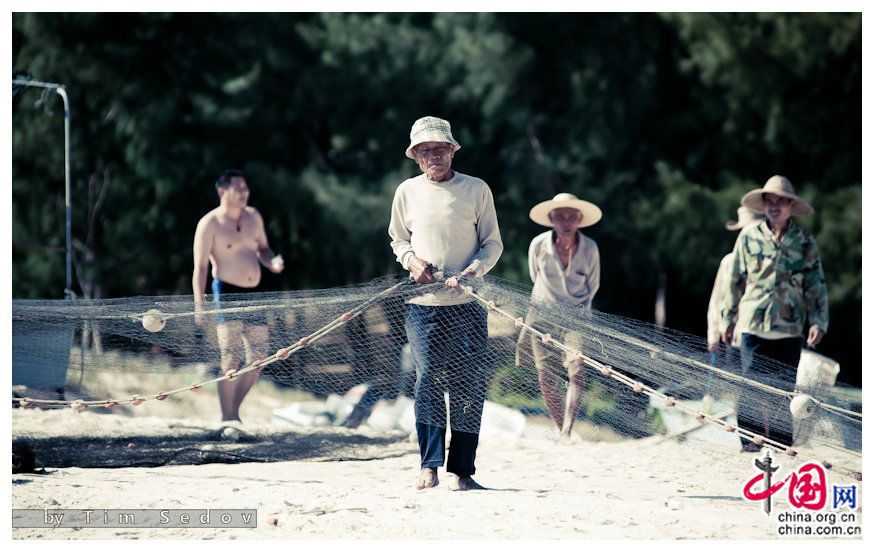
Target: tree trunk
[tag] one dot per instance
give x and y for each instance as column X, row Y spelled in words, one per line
column 91, row 287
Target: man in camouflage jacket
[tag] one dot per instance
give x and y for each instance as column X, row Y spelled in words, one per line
column 776, row 287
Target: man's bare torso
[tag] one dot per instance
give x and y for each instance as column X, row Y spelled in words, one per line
column 234, row 254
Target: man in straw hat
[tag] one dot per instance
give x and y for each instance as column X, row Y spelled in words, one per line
column 714, row 307
column 443, row 220
column 565, row 266
column 776, row 286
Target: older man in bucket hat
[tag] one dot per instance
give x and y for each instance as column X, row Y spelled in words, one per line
column 776, row 286
column 443, row 220
column 565, row 267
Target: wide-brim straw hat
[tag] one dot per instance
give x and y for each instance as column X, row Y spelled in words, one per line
column 779, row 186
column 540, row 212
column 431, row 129
column 744, row 217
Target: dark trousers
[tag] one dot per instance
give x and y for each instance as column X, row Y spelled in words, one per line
column 448, row 346
column 775, row 422
column 727, row 361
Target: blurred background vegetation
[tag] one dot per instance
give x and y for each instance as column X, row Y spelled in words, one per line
column 664, row 120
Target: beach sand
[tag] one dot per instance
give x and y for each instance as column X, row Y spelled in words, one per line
column 334, row 483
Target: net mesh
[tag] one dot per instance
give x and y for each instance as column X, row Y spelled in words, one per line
column 495, row 364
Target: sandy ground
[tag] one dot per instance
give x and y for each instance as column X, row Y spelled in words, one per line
column 335, row 483
column 340, row 484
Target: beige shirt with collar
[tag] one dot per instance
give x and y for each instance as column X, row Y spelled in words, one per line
column 574, row 285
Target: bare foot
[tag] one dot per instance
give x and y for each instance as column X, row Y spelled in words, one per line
column 465, row 483
column 428, row 479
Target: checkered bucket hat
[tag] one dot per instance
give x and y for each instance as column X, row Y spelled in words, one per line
column 430, row 129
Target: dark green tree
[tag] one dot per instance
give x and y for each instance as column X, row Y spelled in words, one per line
column 662, row 120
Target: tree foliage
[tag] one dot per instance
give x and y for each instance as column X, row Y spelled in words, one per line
column 664, row 121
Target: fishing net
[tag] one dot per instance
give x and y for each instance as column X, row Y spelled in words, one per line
column 492, row 363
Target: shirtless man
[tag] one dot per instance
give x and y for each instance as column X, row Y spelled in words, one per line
column 231, row 237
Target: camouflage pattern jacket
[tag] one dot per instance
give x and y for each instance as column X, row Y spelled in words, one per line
column 775, row 288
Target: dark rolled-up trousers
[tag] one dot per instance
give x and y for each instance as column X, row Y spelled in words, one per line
column 449, row 344
column 775, row 422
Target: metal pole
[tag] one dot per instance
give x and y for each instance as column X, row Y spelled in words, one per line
column 68, row 208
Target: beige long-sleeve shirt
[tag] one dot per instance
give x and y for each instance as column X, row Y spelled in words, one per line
column 714, row 307
column 450, row 224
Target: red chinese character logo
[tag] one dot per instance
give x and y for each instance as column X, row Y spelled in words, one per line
column 750, row 494
column 807, row 487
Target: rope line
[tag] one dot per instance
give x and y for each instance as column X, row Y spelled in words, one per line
column 281, row 354
column 639, row 387
column 167, row 316
column 729, row 375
